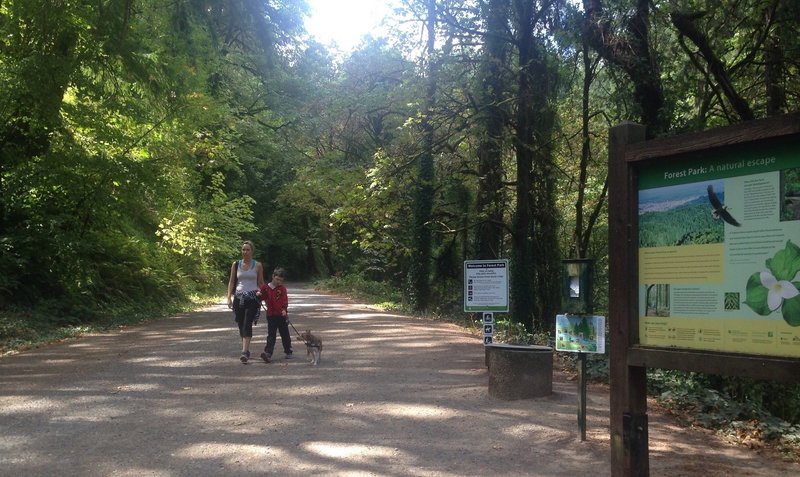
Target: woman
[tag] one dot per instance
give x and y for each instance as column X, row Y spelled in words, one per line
column 247, row 276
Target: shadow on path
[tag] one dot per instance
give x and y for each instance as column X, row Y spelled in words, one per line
column 392, row 396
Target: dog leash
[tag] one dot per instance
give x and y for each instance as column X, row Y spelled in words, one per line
column 296, row 332
column 307, row 343
column 292, row 325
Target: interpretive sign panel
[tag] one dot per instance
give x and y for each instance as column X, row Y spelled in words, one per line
column 719, row 251
column 705, row 263
column 486, row 285
column 581, row 333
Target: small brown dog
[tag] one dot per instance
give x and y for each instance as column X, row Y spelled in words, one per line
column 313, row 346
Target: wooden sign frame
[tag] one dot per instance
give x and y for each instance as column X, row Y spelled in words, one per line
column 628, row 153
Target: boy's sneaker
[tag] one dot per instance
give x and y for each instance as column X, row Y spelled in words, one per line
column 244, row 357
column 289, row 356
column 267, row 358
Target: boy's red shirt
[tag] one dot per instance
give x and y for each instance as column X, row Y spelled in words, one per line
column 275, row 298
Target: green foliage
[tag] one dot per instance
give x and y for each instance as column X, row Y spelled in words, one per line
column 210, row 229
column 738, row 407
column 513, row 332
column 122, row 152
column 132, row 164
column 597, row 365
column 23, row 328
column 384, row 294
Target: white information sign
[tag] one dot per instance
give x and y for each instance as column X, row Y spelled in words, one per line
column 486, row 285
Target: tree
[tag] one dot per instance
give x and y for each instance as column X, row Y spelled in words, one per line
column 353, row 176
column 630, row 50
column 740, row 54
column 117, row 145
column 423, row 195
column 535, row 252
column 492, row 116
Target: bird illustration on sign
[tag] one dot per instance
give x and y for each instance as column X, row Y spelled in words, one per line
column 720, row 210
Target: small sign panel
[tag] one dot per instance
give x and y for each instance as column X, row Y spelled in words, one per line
column 581, row 333
column 488, row 328
column 486, row 285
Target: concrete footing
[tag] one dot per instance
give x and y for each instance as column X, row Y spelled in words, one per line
column 519, row 371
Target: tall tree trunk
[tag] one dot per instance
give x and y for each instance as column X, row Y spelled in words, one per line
column 423, row 199
column 522, row 300
column 773, row 72
column 583, row 232
column 536, row 258
column 492, row 119
column 774, row 62
column 578, row 250
column 546, row 257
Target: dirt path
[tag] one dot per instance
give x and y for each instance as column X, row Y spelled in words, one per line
column 393, row 396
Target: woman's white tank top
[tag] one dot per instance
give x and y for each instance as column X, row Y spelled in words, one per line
column 246, row 280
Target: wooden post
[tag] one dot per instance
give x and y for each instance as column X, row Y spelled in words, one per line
column 629, row 450
column 635, row 435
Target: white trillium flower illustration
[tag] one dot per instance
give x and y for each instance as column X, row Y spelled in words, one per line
column 778, row 290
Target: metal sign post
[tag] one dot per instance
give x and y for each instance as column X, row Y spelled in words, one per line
column 583, row 335
column 582, row 395
column 486, row 292
column 579, row 332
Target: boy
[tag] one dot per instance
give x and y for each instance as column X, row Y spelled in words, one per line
column 274, row 294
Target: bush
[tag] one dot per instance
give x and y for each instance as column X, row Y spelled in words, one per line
column 706, row 400
column 381, row 293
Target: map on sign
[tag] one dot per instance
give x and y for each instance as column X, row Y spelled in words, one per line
column 582, row 334
column 486, row 285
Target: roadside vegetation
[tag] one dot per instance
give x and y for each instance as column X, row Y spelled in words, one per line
column 30, row 327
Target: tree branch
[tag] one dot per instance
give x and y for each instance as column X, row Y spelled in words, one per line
column 684, row 23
